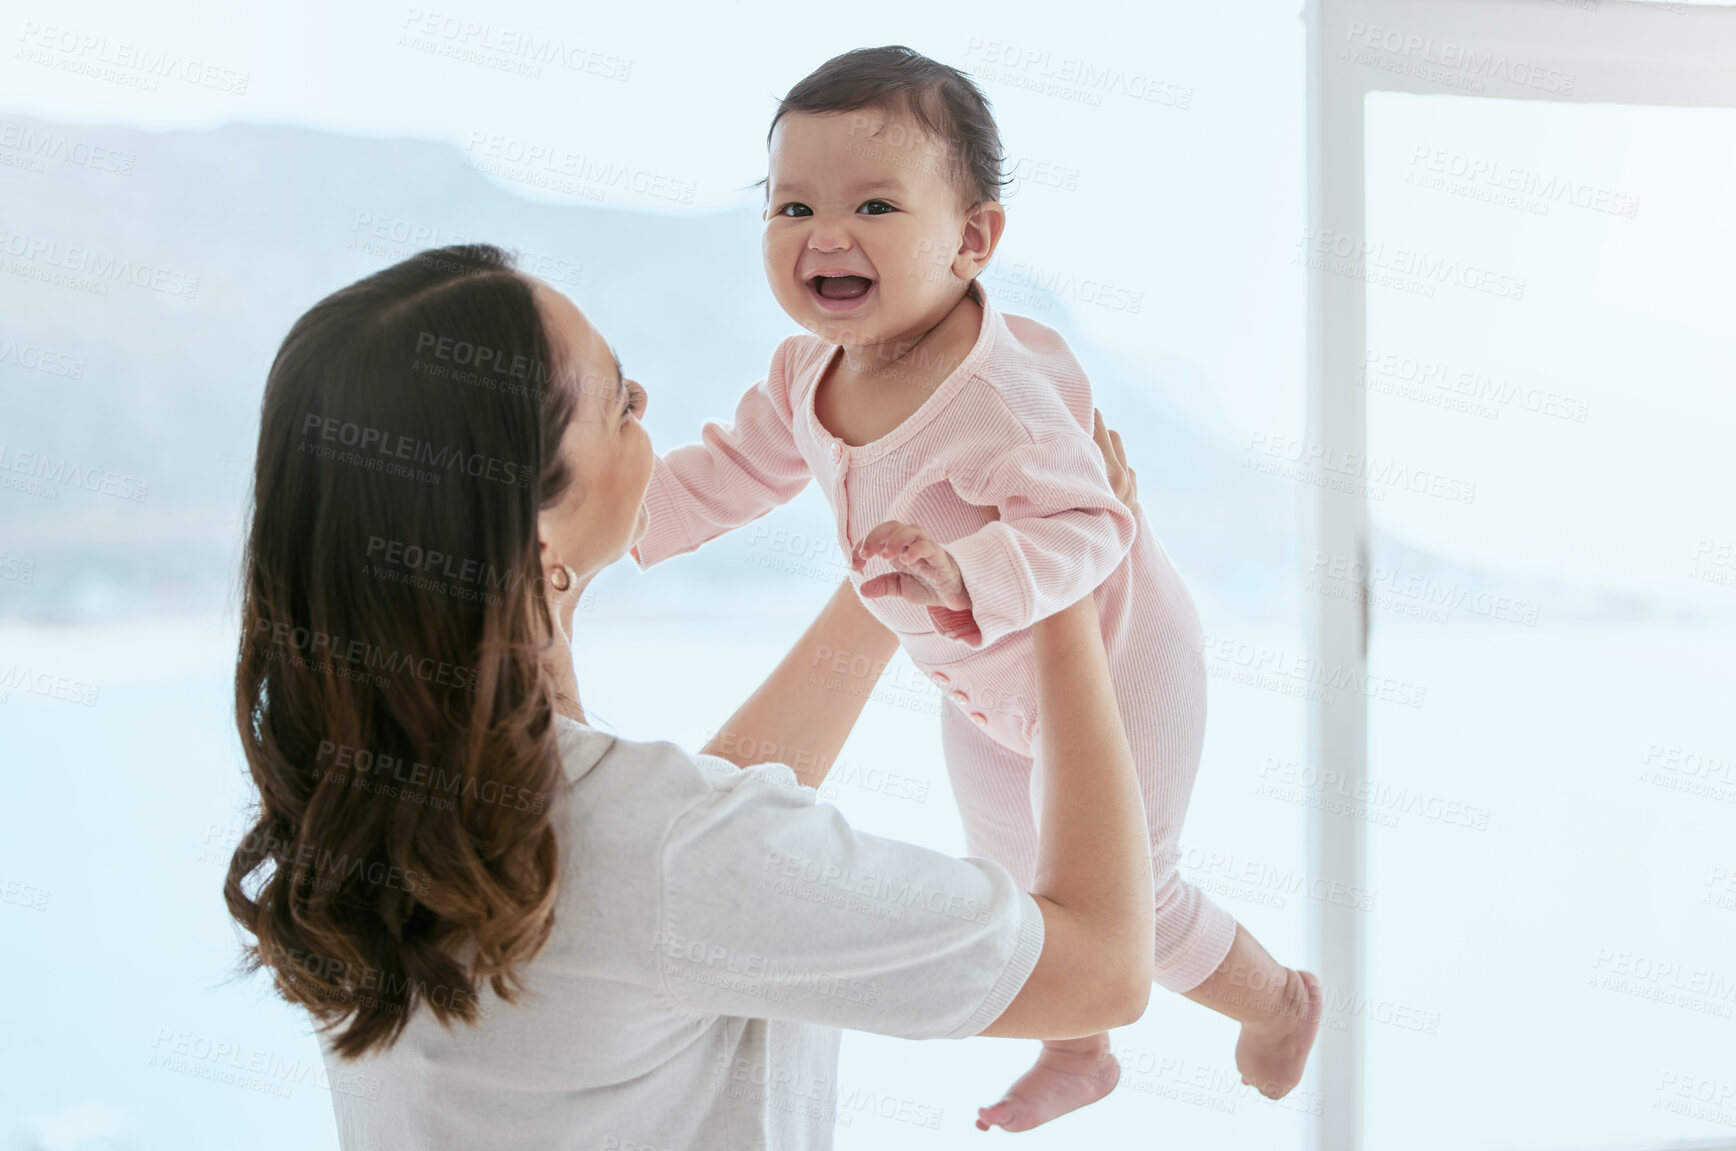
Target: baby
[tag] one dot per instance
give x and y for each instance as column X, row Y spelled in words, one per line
column 955, row 446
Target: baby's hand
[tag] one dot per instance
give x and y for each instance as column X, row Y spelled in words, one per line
column 925, row 574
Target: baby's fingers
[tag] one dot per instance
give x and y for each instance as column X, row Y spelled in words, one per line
column 904, row 545
column 896, row 584
column 890, row 540
column 873, row 543
column 928, row 555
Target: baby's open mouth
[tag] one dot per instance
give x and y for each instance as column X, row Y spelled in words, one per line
column 841, row 287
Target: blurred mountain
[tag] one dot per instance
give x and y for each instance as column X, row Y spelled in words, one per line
column 270, row 219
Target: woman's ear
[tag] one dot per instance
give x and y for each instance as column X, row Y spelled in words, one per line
column 983, row 225
column 546, row 555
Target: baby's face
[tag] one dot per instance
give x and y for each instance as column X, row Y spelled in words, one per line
column 863, row 227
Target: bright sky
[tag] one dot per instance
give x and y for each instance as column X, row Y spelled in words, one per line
column 1164, row 161
column 1169, row 165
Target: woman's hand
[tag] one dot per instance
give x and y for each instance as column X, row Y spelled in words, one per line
column 1122, row 481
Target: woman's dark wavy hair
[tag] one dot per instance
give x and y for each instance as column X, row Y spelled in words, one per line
column 389, row 689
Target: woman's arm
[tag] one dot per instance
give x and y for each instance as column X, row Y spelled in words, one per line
column 805, row 709
column 815, row 921
column 1093, row 878
column 795, row 717
column 1093, row 883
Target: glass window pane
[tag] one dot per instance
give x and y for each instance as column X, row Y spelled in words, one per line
column 1551, row 418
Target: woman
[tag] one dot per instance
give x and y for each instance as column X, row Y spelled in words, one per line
column 519, row 931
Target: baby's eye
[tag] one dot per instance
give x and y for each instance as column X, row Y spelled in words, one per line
column 795, row 210
column 876, row 208
column 635, row 398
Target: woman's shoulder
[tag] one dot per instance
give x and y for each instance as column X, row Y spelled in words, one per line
column 661, row 780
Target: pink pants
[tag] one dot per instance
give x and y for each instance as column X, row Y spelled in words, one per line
column 1160, row 687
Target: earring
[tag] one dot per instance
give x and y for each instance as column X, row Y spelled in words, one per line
column 561, row 578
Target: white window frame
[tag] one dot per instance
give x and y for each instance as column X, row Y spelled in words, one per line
column 1617, row 52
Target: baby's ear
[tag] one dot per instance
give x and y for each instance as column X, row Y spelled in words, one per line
column 983, row 224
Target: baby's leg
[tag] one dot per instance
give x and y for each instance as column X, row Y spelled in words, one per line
column 1279, row 1010
column 1201, row 951
column 993, row 789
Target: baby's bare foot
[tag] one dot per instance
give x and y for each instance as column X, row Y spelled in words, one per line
column 1272, row 1052
column 1068, row 1075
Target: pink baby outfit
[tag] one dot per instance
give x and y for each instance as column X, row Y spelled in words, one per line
column 999, row 465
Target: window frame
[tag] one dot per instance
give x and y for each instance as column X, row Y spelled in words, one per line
column 1616, row 52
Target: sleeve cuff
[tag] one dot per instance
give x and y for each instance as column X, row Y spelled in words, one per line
column 665, row 534
column 1013, row 976
column 999, row 586
column 960, row 625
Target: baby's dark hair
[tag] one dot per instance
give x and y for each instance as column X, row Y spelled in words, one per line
column 940, row 98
